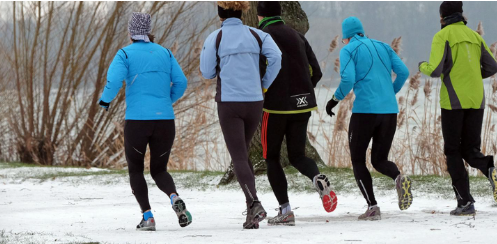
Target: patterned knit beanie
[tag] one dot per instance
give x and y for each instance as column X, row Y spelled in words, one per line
column 139, row 26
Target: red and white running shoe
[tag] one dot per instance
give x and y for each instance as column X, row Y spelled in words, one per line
column 327, row 195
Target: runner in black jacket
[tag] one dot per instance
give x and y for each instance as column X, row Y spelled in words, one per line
column 287, row 108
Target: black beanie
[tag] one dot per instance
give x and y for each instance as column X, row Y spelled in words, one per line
column 268, row 9
column 450, row 7
column 228, row 13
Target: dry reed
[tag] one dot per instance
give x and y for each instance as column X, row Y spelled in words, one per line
column 333, row 44
column 479, row 29
column 396, row 45
column 337, row 65
column 493, row 49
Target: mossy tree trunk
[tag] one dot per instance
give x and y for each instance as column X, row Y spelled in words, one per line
column 295, row 17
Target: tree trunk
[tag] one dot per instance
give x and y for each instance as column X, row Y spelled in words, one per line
column 295, row 17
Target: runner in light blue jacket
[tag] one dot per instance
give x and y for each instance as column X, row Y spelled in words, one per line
column 233, row 54
column 239, row 78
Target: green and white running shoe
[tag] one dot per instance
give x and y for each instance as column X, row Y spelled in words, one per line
column 184, row 217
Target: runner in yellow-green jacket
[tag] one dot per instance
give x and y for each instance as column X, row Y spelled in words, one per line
column 462, row 59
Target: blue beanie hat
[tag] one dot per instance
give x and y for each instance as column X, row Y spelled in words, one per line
column 351, row 26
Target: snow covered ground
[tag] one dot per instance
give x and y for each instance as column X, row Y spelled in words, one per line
column 70, row 205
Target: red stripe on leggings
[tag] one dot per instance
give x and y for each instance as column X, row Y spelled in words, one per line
column 264, row 134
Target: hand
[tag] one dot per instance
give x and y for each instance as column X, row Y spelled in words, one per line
column 104, row 105
column 419, row 65
column 331, row 104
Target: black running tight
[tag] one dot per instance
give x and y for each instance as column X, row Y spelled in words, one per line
column 293, row 127
column 363, row 127
column 239, row 121
column 159, row 136
column 461, row 129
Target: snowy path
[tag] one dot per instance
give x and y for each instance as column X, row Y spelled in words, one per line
column 54, row 211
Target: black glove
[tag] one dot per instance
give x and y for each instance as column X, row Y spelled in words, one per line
column 104, row 105
column 419, row 64
column 331, row 104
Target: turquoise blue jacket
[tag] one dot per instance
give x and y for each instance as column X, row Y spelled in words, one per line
column 154, row 81
column 366, row 66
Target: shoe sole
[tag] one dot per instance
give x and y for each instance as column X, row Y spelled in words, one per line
column 328, row 197
column 463, row 215
column 493, row 178
column 146, row 229
column 405, row 197
column 330, row 201
column 373, row 218
column 290, row 223
column 184, row 216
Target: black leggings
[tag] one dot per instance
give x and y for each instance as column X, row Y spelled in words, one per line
column 461, row 130
column 239, row 121
column 294, row 127
column 159, row 135
column 363, row 127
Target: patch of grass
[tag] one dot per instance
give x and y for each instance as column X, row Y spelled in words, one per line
column 59, row 174
column 201, row 173
column 20, row 172
column 17, row 165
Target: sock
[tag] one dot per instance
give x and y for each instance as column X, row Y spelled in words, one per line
column 173, row 196
column 397, row 178
column 147, row 215
column 371, row 207
column 314, row 179
column 285, row 208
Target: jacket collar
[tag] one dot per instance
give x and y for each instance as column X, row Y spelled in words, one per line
column 459, row 23
column 232, row 21
column 453, row 19
column 357, row 38
column 269, row 21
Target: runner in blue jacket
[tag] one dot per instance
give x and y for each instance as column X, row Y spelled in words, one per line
column 366, row 67
column 232, row 53
column 154, row 81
